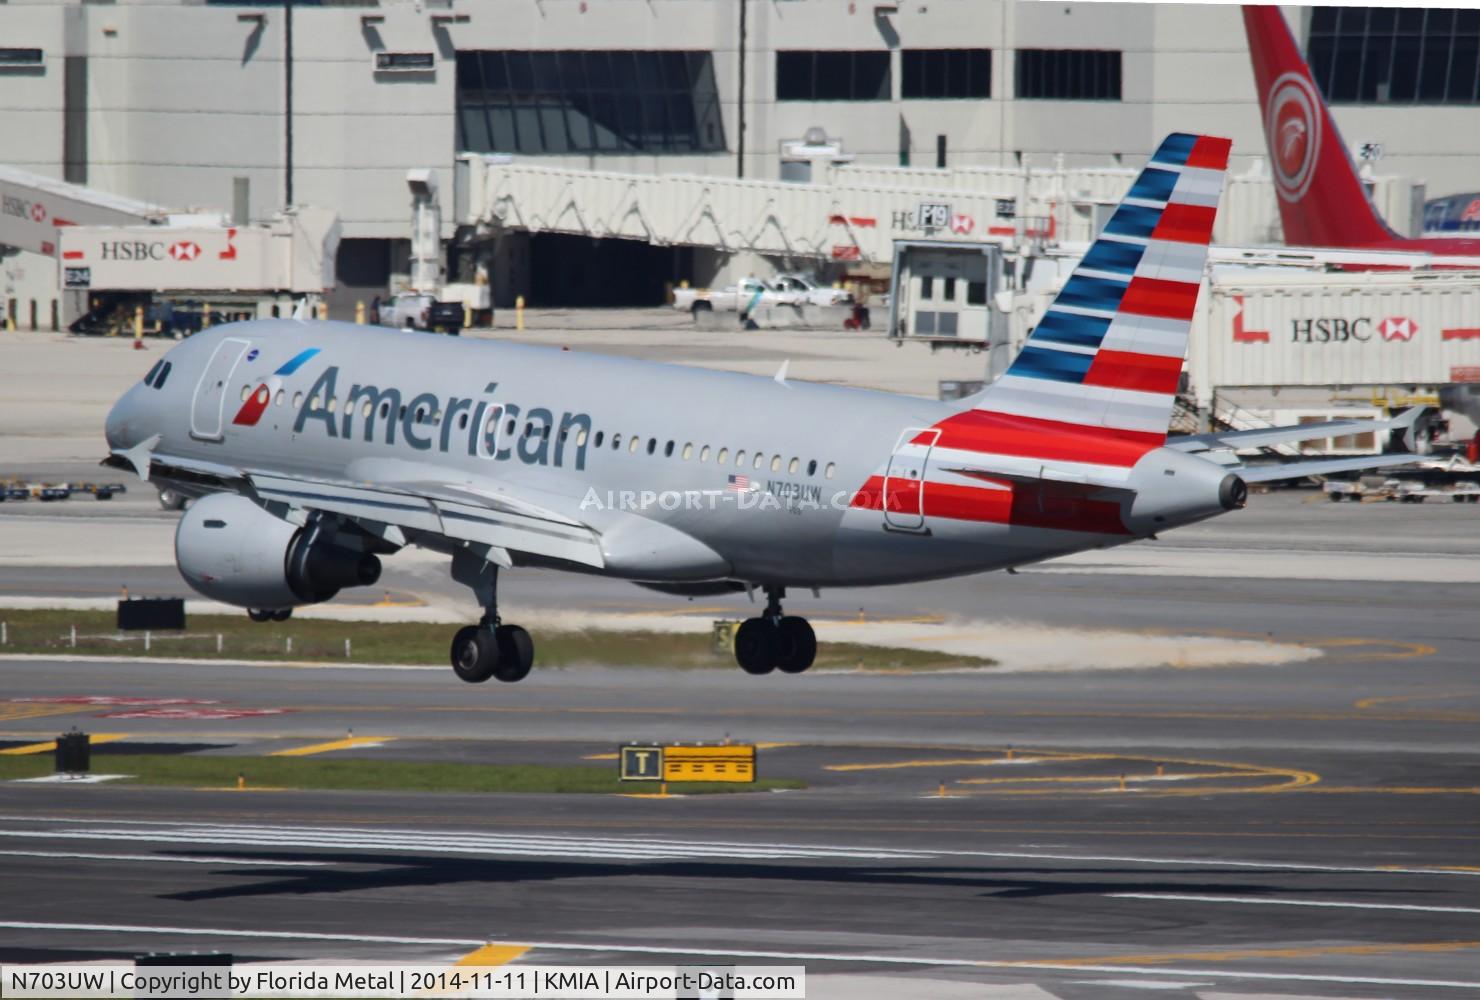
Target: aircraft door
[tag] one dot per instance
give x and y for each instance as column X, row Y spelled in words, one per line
column 904, row 480
column 208, row 406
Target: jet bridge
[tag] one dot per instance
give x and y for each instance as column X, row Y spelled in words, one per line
column 34, row 208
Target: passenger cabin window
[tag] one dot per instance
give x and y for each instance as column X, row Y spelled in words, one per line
column 831, row 468
column 722, row 457
column 704, row 453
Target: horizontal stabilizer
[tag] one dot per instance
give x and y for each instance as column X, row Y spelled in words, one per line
column 1322, row 467
column 1263, row 436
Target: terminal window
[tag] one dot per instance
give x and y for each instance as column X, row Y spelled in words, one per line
column 1396, row 55
column 588, row 102
column 1068, row 74
column 832, row 76
column 945, row 73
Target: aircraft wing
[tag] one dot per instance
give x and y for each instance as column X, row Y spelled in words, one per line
column 1262, row 436
column 453, row 511
column 393, row 498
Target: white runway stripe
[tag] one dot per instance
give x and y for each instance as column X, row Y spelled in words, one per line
column 1210, row 862
column 167, row 859
column 677, row 948
column 1261, row 901
column 452, row 843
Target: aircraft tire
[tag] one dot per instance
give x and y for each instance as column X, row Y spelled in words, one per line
column 474, row 654
column 757, row 646
column 797, row 644
column 259, row 614
column 282, row 614
column 515, row 653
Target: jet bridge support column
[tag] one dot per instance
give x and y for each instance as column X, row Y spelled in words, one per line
column 426, row 232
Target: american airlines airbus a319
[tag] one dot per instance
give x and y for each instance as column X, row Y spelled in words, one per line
column 316, row 448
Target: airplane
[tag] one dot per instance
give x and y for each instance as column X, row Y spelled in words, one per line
column 1322, row 200
column 315, row 448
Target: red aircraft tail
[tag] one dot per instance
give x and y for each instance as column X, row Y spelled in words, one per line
column 1322, row 200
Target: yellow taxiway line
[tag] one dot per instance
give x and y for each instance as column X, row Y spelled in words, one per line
column 493, row 954
column 51, row 745
column 344, row 744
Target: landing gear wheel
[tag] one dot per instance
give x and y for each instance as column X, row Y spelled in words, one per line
column 515, row 653
column 797, row 644
column 259, row 615
column 282, row 614
column 757, row 646
column 475, row 654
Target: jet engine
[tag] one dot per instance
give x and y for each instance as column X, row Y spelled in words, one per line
column 231, row 550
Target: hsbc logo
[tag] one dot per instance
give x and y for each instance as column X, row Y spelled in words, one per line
column 962, row 224
column 149, row 250
column 1397, row 328
column 1292, row 120
column 1340, row 330
column 22, row 208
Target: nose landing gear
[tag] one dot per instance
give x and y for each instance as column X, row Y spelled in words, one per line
column 774, row 640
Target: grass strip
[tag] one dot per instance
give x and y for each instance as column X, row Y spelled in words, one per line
column 351, row 774
column 50, row 631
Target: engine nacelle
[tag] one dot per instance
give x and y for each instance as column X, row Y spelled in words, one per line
column 231, row 550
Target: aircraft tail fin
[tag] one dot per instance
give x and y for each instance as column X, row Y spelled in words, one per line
column 1322, row 200
column 1106, row 358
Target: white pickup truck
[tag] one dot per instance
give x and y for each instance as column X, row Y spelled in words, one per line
column 784, row 290
column 804, row 291
column 742, row 297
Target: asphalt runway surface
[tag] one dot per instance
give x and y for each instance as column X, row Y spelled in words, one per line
column 1306, row 829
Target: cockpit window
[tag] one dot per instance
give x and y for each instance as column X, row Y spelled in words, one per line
column 164, row 373
column 149, row 379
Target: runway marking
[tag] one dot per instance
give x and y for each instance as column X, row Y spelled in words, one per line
column 405, row 839
column 1262, row 901
column 344, row 744
column 50, row 745
column 10, row 711
column 493, row 954
column 1397, row 790
column 1283, row 779
column 1395, row 699
column 1238, row 954
column 1073, row 965
column 168, row 858
column 948, row 762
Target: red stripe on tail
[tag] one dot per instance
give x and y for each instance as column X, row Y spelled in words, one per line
column 1185, row 224
column 1142, row 372
column 1051, row 440
column 1159, row 297
column 1211, row 152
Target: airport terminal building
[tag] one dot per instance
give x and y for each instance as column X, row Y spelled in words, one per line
column 247, row 107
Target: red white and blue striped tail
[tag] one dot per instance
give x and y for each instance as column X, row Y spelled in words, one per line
column 1107, row 356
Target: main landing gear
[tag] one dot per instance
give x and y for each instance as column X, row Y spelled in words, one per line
column 490, row 648
column 775, row 640
column 269, row 614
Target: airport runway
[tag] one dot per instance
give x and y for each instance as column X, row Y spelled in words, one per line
column 1310, row 833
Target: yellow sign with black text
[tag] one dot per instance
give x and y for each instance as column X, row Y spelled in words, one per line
column 692, row 762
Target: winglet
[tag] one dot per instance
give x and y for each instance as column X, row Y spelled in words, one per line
column 780, row 375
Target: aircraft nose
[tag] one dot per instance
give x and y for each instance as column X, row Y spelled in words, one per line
column 122, row 426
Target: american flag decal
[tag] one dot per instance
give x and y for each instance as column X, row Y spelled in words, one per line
column 739, row 484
